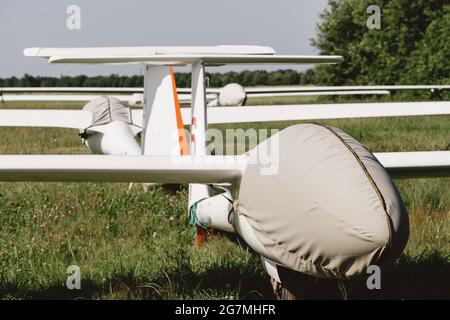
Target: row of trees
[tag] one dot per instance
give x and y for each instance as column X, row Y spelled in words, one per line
column 412, row 47
column 245, row 78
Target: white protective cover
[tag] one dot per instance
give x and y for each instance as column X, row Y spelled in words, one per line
column 107, row 109
column 233, row 94
column 330, row 210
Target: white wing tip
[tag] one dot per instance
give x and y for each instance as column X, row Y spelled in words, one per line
column 31, row 52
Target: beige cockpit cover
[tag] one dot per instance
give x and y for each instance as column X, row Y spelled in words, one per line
column 330, row 210
column 106, row 109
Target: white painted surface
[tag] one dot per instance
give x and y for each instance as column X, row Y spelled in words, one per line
column 209, row 60
column 199, row 125
column 143, row 51
column 75, row 119
column 160, row 132
column 114, row 138
column 324, row 111
column 105, row 168
column 416, row 164
column 214, row 212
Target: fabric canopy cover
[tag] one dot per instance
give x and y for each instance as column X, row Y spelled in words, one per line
column 107, row 109
column 330, row 210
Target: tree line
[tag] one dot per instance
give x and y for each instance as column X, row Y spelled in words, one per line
column 411, row 47
column 183, row 80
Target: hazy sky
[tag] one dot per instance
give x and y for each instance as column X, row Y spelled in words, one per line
column 286, row 25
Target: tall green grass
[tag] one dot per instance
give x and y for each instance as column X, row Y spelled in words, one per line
column 137, row 245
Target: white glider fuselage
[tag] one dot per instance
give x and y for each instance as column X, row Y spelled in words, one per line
column 114, row 138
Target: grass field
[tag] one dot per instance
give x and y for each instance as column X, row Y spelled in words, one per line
column 138, row 245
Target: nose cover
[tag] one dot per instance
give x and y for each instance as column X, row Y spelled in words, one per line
column 327, row 208
column 232, row 94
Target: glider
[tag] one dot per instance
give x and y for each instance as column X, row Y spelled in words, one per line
column 310, row 198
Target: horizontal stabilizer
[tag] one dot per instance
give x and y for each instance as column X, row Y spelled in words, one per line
column 208, row 60
column 145, row 51
column 215, row 55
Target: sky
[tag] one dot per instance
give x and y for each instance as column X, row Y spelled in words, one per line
column 286, row 25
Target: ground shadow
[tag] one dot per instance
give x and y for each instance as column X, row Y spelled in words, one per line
column 423, row 278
